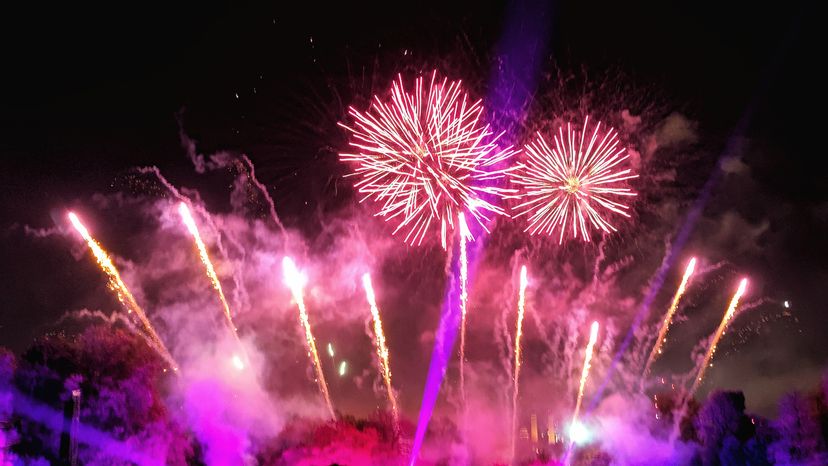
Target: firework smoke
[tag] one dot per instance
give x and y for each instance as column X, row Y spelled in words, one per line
column 295, row 281
column 728, row 316
column 571, row 185
column 123, row 294
column 668, row 318
column 381, row 347
column 593, row 337
column 423, row 158
column 518, row 333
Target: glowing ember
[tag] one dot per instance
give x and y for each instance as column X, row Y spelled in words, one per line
column 728, row 316
column 123, row 294
column 665, row 326
column 570, row 184
column 295, row 281
column 518, row 333
column 381, row 347
column 424, row 156
column 593, row 337
column 237, row 362
column 578, row 433
column 187, row 218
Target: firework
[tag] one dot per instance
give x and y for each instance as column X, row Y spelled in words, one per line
column 570, row 185
column 425, row 156
column 295, row 281
column 382, row 349
column 187, row 217
column 464, row 298
column 593, row 337
column 665, row 325
column 518, row 333
column 728, row 316
column 123, row 294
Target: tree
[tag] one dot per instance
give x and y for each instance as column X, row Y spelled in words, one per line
column 119, row 379
column 800, row 439
column 6, row 437
column 723, row 428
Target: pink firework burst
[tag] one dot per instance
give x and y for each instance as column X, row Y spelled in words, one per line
column 577, row 182
column 425, row 157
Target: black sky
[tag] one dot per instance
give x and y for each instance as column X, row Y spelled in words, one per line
column 89, row 92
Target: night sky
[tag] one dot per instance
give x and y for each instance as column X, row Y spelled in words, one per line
column 88, row 93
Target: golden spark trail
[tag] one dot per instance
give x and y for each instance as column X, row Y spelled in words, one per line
column 593, row 337
column 465, row 235
column 728, row 316
column 294, row 281
column 668, row 319
column 518, row 333
column 382, row 349
column 123, row 294
column 187, row 217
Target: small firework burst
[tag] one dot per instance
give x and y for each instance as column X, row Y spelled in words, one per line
column 424, row 157
column 574, row 183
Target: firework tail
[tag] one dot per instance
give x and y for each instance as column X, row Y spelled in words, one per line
column 381, row 347
column 668, row 318
column 518, row 334
column 189, row 222
column 593, row 337
column 123, row 294
column 728, row 316
column 464, row 298
column 293, row 279
column 686, row 397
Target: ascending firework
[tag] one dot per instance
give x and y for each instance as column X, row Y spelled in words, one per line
column 665, row 325
column 728, row 316
column 593, row 337
column 464, row 298
column 295, row 281
column 518, row 333
column 187, row 217
column 572, row 185
column 425, row 156
column 123, row 294
column 381, row 347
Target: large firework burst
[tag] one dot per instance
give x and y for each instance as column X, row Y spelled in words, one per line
column 574, row 183
column 424, row 157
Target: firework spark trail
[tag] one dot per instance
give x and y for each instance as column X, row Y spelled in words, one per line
column 123, row 294
column 425, row 156
column 518, row 333
column 464, row 298
column 239, row 290
column 728, row 316
column 668, row 318
column 571, row 185
column 188, row 220
column 593, row 337
column 381, row 347
column 295, row 281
